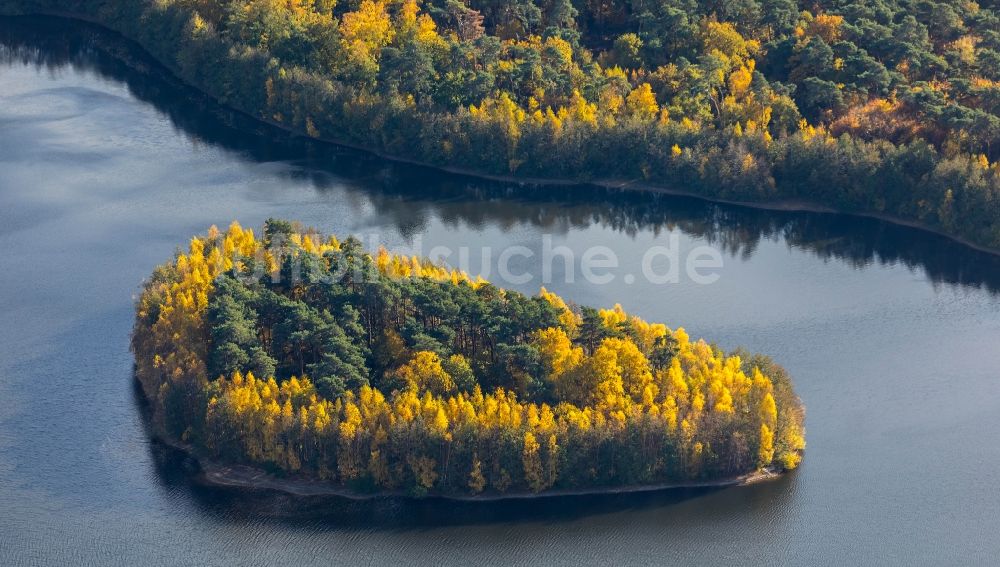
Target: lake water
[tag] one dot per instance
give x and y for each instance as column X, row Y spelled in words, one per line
column 891, row 335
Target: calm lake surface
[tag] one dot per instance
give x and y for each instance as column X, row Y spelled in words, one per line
column 891, row 335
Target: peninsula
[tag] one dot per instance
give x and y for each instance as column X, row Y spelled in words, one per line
column 887, row 110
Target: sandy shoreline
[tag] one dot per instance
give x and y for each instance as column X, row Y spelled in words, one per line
column 788, row 205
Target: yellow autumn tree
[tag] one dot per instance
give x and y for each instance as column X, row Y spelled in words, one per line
column 477, row 482
column 424, row 373
column 363, row 34
column 641, row 103
column 534, row 474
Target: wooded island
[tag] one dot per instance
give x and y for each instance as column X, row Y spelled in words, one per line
column 310, row 358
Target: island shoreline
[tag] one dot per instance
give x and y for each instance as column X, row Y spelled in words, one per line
column 783, row 205
column 215, row 474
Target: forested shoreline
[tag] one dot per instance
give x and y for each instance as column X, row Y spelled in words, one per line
column 312, row 359
column 887, row 109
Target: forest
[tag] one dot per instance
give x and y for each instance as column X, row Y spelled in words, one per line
column 886, row 107
column 307, row 356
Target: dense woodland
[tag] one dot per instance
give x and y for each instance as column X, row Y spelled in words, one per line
column 308, row 356
column 885, row 106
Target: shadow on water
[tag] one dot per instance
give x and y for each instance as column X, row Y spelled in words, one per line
column 408, row 195
column 177, row 472
column 174, row 469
